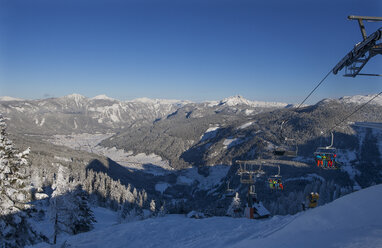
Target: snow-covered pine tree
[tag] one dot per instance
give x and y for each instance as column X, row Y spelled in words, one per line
column 152, row 207
column 62, row 204
column 162, row 210
column 234, row 208
column 70, row 210
column 84, row 218
column 130, row 212
column 15, row 230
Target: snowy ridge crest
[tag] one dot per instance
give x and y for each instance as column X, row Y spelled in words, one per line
column 361, row 99
column 9, row 98
column 239, row 100
column 159, row 101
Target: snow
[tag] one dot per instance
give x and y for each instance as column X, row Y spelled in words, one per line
column 346, row 156
column 374, row 125
column 239, row 100
column 260, row 209
column 308, row 177
column 352, row 172
column 102, row 97
column 184, row 180
column 149, row 163
column 20, row 109
column 104, row 217
column 230, row 142
column 361, row 99
column 75, row 96
column 63, row 159
column 9, row 98
column 42, row 122
column 158, row 101
column 245, row 125
column 211, row 103
column 248, row 111
column 350, row 221
column 216, row 173
column 161, row 187
column 210, row 133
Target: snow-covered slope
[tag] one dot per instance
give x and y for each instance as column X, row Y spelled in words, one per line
column 351, row 221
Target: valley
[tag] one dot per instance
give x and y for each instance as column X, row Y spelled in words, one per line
column 182, row 155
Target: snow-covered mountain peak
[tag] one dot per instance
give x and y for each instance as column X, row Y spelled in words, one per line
column 361, row 99
column 75, row 96
column 103, row 97
column 234, row 100
column 9, row 98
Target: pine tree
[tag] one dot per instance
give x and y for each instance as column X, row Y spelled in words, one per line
column 130, row 212
column 70, row 210
column 15, row 188
column 234, row 208
column 152, row 207
column 84, row 217
column 62, row 204
column 162, row 210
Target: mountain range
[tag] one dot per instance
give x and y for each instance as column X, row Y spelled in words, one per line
column 185, row 150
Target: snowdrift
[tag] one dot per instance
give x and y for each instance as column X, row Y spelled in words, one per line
column 351, row 221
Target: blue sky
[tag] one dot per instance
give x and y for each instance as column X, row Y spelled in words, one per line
column 194, row 50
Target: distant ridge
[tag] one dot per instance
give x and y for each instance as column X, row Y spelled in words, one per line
column 239, row 100
column 9, row 98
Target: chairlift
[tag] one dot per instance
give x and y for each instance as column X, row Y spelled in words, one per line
column 229, row 192
column 260, row 171
column 325, row 157
column 252, row 191
column 275, row 181
column 249, row 171
column 289, row 147
column 370, row 46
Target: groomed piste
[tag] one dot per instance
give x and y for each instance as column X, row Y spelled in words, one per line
column 354, row 220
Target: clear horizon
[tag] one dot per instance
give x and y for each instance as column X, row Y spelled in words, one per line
column 273, row 51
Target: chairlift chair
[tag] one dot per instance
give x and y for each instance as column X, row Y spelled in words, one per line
column 325, row 157
column 229, row 192
column 260, row 171
column 275, row 181
column 289, row 148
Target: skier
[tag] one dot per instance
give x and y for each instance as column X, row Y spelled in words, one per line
column 318, row 160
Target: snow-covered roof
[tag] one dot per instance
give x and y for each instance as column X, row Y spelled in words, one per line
column 260, row 209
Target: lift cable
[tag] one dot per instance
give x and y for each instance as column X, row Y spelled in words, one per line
column 318, row 85
column 306, row 98
column 355, row 111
